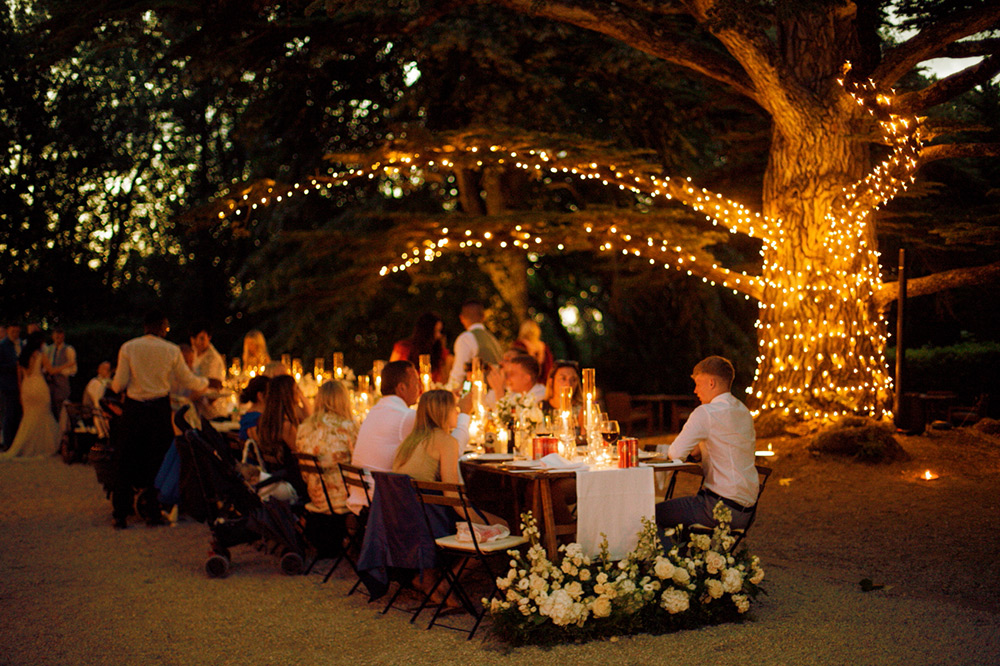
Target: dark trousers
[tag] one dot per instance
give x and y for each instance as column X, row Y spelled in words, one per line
column 695, row 510
column 11, row 415
column 146, row 436
column 59, row 392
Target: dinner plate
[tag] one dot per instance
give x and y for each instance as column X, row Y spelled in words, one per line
column 672, row 463
column 492, row 456
column 644, row 455
column 525, row 464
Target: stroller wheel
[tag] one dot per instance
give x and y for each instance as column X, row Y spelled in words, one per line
column 217, row 566
column 291, row 563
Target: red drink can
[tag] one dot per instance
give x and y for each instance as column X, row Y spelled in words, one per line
column 628, row 452
column 543, row 446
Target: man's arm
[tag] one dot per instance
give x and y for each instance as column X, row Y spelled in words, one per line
column 69, row 367
column 465, row 350
column 184, row 377
column 122, row 372
column 694, row 431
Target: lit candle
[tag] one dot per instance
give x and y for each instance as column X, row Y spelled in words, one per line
column 377, row 375
column 765, row 454
column 338, row 365
column 928, row 475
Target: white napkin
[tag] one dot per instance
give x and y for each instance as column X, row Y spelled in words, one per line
column 556, row 461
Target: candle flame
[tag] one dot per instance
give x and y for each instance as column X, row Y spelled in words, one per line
column 928, row 476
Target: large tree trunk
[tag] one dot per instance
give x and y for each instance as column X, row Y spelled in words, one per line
column 820, row 333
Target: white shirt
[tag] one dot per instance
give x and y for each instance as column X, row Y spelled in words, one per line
column 95, row 391
column 537, row 392
column 388, row 423
column 466, row 349
column 724, row 427
column 148, row 366
column 209, row 364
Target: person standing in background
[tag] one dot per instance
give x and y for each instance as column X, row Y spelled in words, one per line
column 10, row 394
column 62, row 358
column 474, row 342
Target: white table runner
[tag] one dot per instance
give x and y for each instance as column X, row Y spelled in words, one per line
column 613, row 501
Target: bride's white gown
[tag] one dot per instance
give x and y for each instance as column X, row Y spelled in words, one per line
column 38, row 434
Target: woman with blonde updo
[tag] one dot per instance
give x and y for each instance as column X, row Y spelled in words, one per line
column 430, row 453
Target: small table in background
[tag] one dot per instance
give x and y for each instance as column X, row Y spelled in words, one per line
column 677, row 404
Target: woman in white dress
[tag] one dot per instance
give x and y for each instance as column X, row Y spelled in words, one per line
column 38, row 434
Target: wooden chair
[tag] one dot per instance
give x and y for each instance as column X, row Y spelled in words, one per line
column 967, row 415
column 355, row 477
column 619, row 406
column 458, row 554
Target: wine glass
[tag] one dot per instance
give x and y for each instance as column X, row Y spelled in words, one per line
column 610, row 432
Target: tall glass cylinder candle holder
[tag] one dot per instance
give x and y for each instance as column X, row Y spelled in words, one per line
column 338, row 365
column 286, row 360
column 297, row 368
column 424, row 361
column 377, row 375
column 318, row 368
column 364, row 385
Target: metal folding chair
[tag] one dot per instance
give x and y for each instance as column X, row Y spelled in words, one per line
column 762, row 475
column 311, row 465
column 355, row 477
column 458, row 554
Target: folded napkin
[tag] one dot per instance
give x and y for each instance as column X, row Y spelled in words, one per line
column 484, row 533
column 556, row 461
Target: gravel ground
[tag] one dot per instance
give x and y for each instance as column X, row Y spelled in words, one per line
column 74, row 591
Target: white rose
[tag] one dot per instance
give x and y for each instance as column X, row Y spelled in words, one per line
column 742, row 603
column 714, row 563
column 681, row 576
column 601, row 607
column 714, row 588
column 574, row 590
column 602, row 578
column 701, row 541
column 758, row 575
column 663, row 568
column 584, row 574
column 732, row 581
column 503, row 583
column 675, row 601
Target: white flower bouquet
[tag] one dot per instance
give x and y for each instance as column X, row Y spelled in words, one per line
column 650, row 590
column 515, row 409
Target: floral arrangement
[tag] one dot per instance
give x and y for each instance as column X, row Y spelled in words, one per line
column 651, row 590
column 519, row 408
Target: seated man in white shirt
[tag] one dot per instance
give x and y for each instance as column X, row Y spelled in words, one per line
column 208, row 362
column 722, row 428
column 390, row 421
column 519, row 375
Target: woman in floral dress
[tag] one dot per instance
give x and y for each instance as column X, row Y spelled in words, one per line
column 328, row 434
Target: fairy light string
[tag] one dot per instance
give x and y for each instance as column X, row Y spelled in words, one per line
column 849, row 377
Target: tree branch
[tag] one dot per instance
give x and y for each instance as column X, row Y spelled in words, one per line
column 928, row 42
column 931, row 284
column 949, row 150
column 971, row 48
column 646, row 35
column 950, row 86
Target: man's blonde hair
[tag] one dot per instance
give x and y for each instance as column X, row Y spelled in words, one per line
column 717, row 367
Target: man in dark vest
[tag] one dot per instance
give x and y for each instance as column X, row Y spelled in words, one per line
column 475, row 342
column 62, row 357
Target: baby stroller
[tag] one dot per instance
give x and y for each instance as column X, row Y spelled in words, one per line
column 213, row 492
column 103, row 453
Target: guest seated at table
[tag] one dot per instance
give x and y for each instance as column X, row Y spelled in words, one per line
column 427, row 338
column 255, row 354
column 564, row 374
column 328, row 434
column 529, row 341
column 391, row 420
column 429, row 452
column 521, row 376
column 96, row 387
column 722, row 428
column 254, row 393
column 275, row 432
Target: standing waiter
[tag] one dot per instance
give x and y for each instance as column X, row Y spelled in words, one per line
column 147, row 367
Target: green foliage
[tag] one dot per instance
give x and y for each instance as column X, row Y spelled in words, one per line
column 967, row 368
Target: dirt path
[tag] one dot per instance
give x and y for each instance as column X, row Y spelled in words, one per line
column 74, row 591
